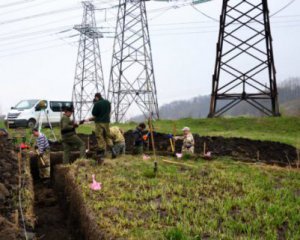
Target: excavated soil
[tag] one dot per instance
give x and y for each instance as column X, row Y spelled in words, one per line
column 51, row 222
column 237, row 148
column 11, row 182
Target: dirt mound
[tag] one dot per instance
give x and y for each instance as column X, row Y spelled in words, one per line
column 240, row 148
column 9, row 172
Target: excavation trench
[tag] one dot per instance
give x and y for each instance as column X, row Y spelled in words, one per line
column 52, row 221
column 58, row 212
column 60, row 209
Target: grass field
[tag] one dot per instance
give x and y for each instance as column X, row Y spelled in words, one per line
column 205, row 200
column 282, row 129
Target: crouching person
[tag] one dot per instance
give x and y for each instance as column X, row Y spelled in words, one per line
column 188, row 141
column 69, row 137
column 139, row 141
column 118, row 139
column 42, row 148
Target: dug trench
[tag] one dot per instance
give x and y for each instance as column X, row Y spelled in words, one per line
column 242, row 149
column 80, row 220
column 58, row 211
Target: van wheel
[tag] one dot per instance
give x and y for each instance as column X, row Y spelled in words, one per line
column 31, row 123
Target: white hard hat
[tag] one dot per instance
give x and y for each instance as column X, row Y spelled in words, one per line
column 186, row 129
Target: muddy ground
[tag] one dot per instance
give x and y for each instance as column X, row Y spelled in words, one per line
column 50, row 219
column 10, row 226
column 238, row 148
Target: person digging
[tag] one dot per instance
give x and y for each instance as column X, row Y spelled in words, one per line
column 139, row 139
column 118, row 139
column 188, row 141
column 70, row 139
column 42, row 148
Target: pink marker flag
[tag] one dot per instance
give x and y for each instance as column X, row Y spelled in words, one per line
column 95, row 185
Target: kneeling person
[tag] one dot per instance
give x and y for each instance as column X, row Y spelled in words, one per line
column 118, row 140
column 43, row 150
column 188, row 141
column 139, row 141
column 69, row 137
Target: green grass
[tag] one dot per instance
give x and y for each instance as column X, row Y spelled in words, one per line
column 281, row 129
column 222, row 199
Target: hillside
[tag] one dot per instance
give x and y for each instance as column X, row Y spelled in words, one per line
column 198, row 107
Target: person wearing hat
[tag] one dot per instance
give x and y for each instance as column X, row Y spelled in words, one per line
column 188, row 141
column 101, row 117
column 70, row 139
column 43, row 150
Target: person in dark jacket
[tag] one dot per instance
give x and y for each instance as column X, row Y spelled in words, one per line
column 138, row 136
column 101, row 116
column 69, row 137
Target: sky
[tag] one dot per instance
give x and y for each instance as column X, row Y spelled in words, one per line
column 38, row 47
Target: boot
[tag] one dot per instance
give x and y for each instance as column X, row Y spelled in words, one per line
column 113, row 153
column 100, row 156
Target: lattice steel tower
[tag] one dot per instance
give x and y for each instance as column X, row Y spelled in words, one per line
column 88, row 75
column 132, row 78
column 244, row 69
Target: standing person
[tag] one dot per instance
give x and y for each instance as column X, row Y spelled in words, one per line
column 69, row 137
column 101, row 116
column 188, row 141
column 43, row 150
column 118, row 140
column 138, row 136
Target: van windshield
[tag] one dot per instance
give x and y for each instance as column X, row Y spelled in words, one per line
column 25, row 104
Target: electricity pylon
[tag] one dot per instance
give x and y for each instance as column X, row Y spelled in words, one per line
column 245, row 69
column 88, row 75
column 132, row 79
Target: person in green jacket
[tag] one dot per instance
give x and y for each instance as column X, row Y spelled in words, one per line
column 101, row 116
column 70, row 139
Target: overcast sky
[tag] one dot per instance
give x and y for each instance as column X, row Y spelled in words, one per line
column 38, row 54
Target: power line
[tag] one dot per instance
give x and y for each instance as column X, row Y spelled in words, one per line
column 26, row 7
column 41, row 25
column 15, row 3
column 284, row 7
column 38, row 15
column 204, row 14
column 24, row 35
column 35, row 50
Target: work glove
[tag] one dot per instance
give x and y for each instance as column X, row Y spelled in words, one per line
column 170, row 136
column 82, row 122
column 75, row 125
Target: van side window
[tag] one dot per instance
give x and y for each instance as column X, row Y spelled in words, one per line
column 57, row 106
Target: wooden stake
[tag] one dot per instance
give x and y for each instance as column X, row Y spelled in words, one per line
column 153, row 143
column 88, row 143
column 257, row 155
column 298, row 156
column 204, row 148
column 174, row 134
column 172, row 146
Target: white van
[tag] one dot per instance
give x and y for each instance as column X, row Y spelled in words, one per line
column 26, row 113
